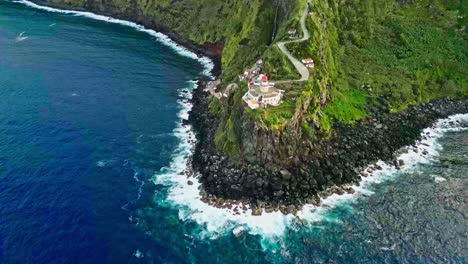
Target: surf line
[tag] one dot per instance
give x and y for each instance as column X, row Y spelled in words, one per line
column 186, row 196
column 183, row 132
column 184, row 193
column 160, row 37
column 181, row 194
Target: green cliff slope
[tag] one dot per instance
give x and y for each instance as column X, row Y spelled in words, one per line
column 371, row 55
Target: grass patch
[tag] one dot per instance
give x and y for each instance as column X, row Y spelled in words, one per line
column 347, row 107
column 275, row 117
column 278, row 66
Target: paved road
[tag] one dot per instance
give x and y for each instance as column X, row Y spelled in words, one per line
column 301, row 68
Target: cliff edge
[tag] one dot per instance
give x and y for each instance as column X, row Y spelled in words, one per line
column 379, row 72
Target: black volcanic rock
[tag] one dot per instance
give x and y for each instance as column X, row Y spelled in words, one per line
column 328, row 162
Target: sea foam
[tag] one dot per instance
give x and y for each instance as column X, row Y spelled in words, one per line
column 21, row 37
column 217, row 221
column 186, row 197
column 160, row 37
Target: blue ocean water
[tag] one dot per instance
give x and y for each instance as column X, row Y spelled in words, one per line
column 87, row 117
column 86, row 107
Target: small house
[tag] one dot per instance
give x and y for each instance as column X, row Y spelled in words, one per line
column 308, row 62
column 292, row 31
column 253, row 104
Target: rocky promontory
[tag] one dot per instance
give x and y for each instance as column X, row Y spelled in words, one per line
column 325, row 162
column 305, row 150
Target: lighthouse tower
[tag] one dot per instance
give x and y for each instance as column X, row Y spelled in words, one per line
column 264, row 84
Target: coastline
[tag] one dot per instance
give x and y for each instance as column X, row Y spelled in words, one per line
column 220, row 215
column 141, row 200
column 338, row 163
column 163, row 34
column 226, row 183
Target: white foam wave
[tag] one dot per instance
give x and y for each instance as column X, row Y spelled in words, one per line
column 21, row 37
column 216, row 221
column 140, row 188
column 424, row 152
column 438, row 179
column 186, row 196
column 138, row 254
column 101, row 163
column 160, row 37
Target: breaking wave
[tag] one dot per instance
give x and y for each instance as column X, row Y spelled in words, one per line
column 160, row 37
column 21, row 37
column 183, row 191
column 185, row 196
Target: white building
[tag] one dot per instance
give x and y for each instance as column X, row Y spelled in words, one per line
column 308, row 62
column 262, row 94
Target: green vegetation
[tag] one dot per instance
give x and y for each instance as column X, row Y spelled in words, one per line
column 417, row 62
column 406, row 53
column 274, row 117
column 347, row 107
column 296, row 10
column 248, row 40
column 391, row 52
column 245, row 27
column 278, row 66
column 368, row 53
column 226, row 138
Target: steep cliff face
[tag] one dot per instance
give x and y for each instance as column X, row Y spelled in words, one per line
column 374, row 61
column 374, row 55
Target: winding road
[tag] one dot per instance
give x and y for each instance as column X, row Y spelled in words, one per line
column 301, row 68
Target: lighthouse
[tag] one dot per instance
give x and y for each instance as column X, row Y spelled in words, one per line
column 264, row 84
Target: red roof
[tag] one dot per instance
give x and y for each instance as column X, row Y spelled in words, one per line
column 264, row 78
column 247, row 70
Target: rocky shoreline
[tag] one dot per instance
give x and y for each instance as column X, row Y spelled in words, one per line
column 329, row 167
column 325, row 167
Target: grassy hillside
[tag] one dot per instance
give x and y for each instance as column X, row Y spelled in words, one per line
column 387, row 53
column 369, row 54
column 373, row 54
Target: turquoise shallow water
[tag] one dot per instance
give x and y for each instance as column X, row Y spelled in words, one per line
column 87, row 117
